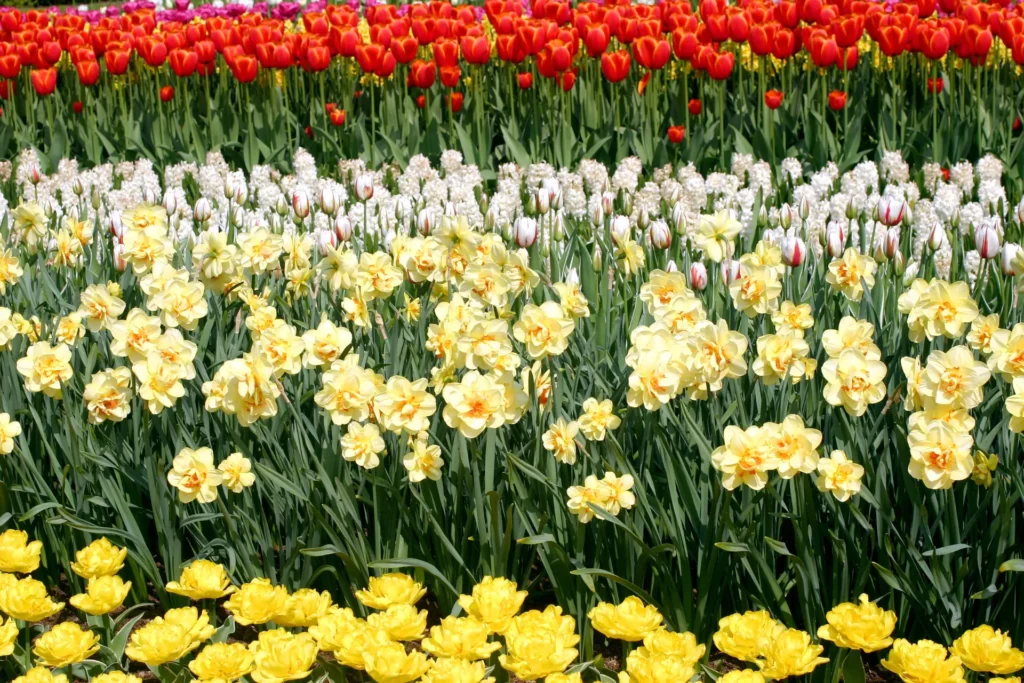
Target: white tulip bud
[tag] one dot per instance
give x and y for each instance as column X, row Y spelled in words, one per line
column 170, row 202
column 986, row 241
column 300, row 203
column 661, row 236
column 1007, row 255
column 342, row 227
column 524, row 231
column 730, row 270
column 364, row 187
column 794, row 251
column 328, row 200
column 621, row 228
column 698, row 276
column 936, row 236
column 891, row 210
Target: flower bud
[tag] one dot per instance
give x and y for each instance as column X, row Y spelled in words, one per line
column 835, row 238
column 491, row 218
column 1007, row 255
column 77, row 187
column 596, row 261
column 804, row 210
column 281, row 206
column 730, row 270
column 627, row 203
column 95, row 198
column 543, row 201
column 342, row 227
column 851, row 210
column 326, row 240
column 1020, row 212
column 114, row 225
column 679, row 218
column 597, row 215
column 786, row 216
column 426, row 221
column 329, row 200
column 119, row 262
column 643, row 220
column 698, row 276
column 558, row 229
column 891, row 210
column 936, row 236
column 608, row 203
column 524, row 231
column 202, row 211
column 572, row 277
column 878, row 253
column 300, row 203
column 892, row 242
column 794, row 251
column 238, row 215
column 986, row 241
column 661, row 236
column 170, row 202
column 762, row 216
column 671, row 266
column 364, row 187
column 621, row 228
column 899, row 263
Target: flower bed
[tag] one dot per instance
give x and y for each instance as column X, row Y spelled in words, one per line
column 647, row 399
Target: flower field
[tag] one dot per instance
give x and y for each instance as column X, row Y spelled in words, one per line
column 529, row 341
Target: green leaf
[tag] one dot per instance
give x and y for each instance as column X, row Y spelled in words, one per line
column 853, row 668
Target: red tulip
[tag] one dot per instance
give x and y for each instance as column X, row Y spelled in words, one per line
column 337, row 117
column 567, row 79
column 244, row 68
column 596, row 39
column 6, row 89
column 848, row 59
column 421, row 101
column 308, row 130
column 446, row 53
column 720, row 67
column 88, row 72
column 936, row 85
column 652, row 53
column 676, row 134
column 44, row 81
column 455, row 101
column 167, row 93
column 318, row 57
column 837, row 100
column 404, row 48
column 10, row 65
column 785, row 44
column 615, row 65
column 695, row 107
column 475, row 50
column 762, row 38
column 450, row 76
column 525, row 80
column 773, row 99
column 183, row 62
column 684, row 43
column 117, row 61
column 422, row 74
column 77, row 107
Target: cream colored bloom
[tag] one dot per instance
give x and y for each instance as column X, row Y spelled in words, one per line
column 598, row 419
column 954, row 378
column 325, row 344
column 853, row 381
column 744, row 459
column 423, row 460
column 544, row 329
column 195, row 476
column 363, row 445
column 98, row 308
column 560, row 440
column 46, row 368
column 134, row 336
column 839, row 475
column 939, row 455
column 9, row 430
column 237, row 471
column 851, row 273
column 793, row 445
column 756, row 291
column 851, row 334
column 474, row 404
column 715, row 235
column 108, row 397
column 405, row 406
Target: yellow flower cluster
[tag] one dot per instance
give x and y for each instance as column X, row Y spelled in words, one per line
column 788, row 448
column 196, row 478
column 681, row 351
column 611, row 494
